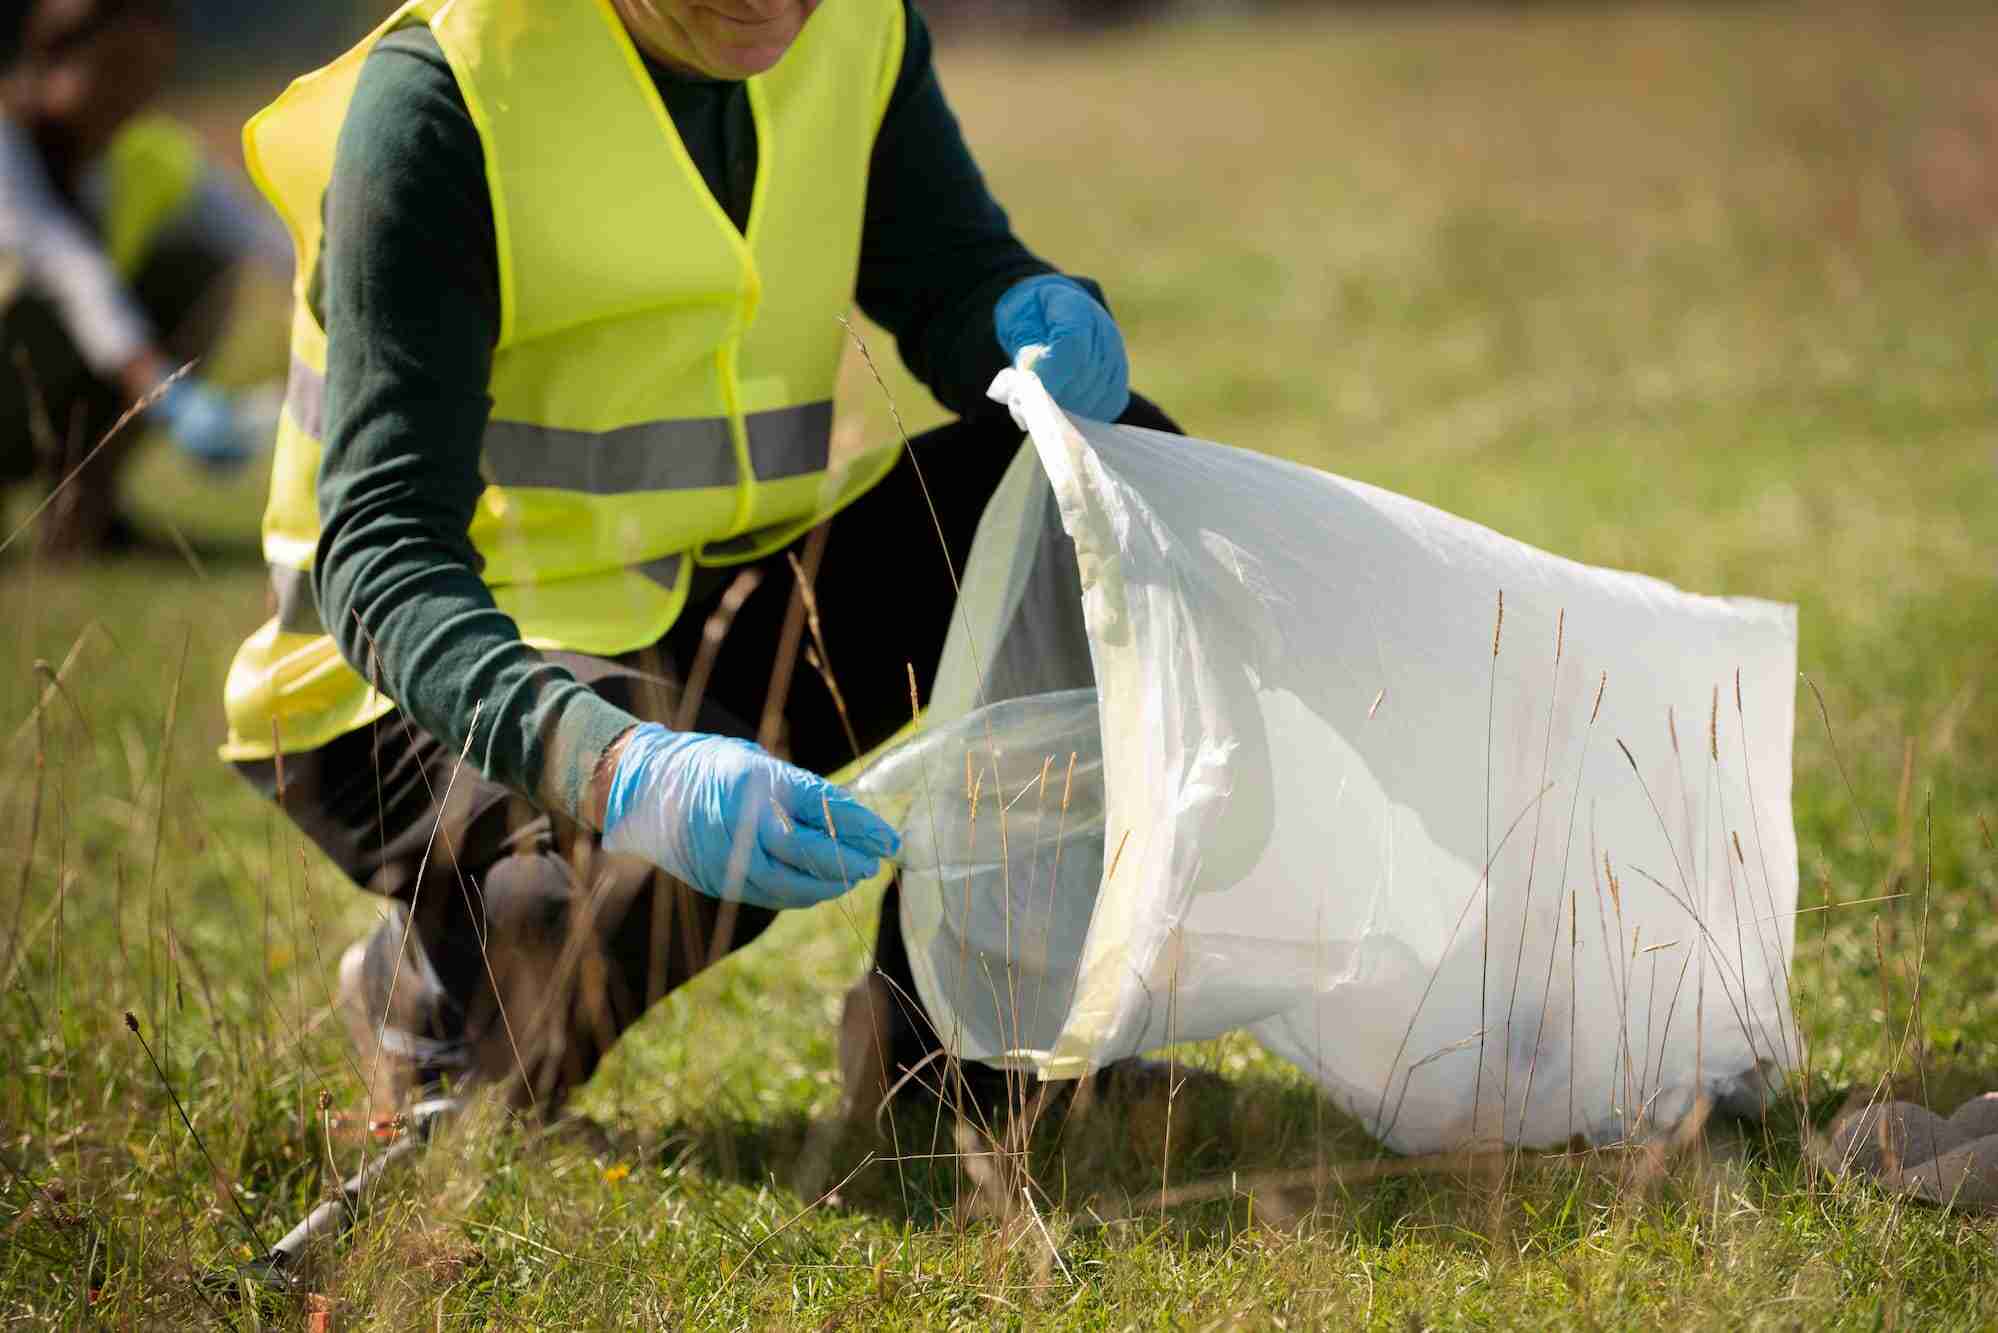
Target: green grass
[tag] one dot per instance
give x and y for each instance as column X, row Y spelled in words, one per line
column 1677, row 291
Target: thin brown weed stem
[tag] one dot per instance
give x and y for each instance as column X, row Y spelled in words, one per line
column 117, row 427
column 783, row 665
column 713, row 633
column 1916, row 1032
column 1485, row 941
column 1526, row 909
column 1686, row 907
column 816, row 655
column 27, row 854
column 158, row 895
column 1408, row 1031
column 1838, row 762
column 221, row 1181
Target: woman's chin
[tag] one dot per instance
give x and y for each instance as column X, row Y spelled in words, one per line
column 745, row 62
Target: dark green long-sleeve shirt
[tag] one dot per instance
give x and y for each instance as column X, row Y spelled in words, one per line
column 408, row 291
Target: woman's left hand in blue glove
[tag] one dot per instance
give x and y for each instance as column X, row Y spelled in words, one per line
column 733, row 821
column 1084, row 368
column 202, row 422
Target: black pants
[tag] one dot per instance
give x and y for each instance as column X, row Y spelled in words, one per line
column 519, row 915
column 55, row 410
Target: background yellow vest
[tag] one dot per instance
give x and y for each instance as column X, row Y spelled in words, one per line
column 152, row 170
column 662, row 386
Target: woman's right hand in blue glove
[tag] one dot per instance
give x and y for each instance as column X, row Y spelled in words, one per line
column 736, row 823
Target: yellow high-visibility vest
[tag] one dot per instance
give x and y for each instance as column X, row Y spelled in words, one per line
column 151, row 171
column 662, row 385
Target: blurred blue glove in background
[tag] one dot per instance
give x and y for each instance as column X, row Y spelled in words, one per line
column 737, row 823
column 203, row 423
column 1084, row 369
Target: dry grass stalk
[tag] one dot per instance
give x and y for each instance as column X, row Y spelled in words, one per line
column 820, row 659
column 1573, row 953
column 159, row 895
column 1904, row 853
column 27, row 857
column 713, row 634
column 1526, row 908
column 221, row 1182
column 1838, row 762
column 61, row 488
column 1890, row 1060
column 56, row 687
column 783, row 665
column 1485, row 880
column 1408, row 1031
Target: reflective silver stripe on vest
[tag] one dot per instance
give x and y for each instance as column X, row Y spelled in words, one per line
column 305, row 398
column 691, row 453
column 790, row 441
column 688, row 454
column 656, row 456
column 297, row 604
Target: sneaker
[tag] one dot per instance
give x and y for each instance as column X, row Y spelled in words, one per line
column 405, row 1045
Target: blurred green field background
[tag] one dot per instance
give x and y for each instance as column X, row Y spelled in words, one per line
column 1704, row 292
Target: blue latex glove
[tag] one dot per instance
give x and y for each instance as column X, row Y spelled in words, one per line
column 1084, row 369
column 202, row 423
column 737, row 823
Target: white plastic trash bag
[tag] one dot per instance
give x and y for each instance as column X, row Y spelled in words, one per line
column 1223, row 742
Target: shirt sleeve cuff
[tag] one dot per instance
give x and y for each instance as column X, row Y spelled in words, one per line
column 571, row 747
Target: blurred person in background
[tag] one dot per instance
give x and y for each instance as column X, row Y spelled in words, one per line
column 115, row 238
column 568, row 333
